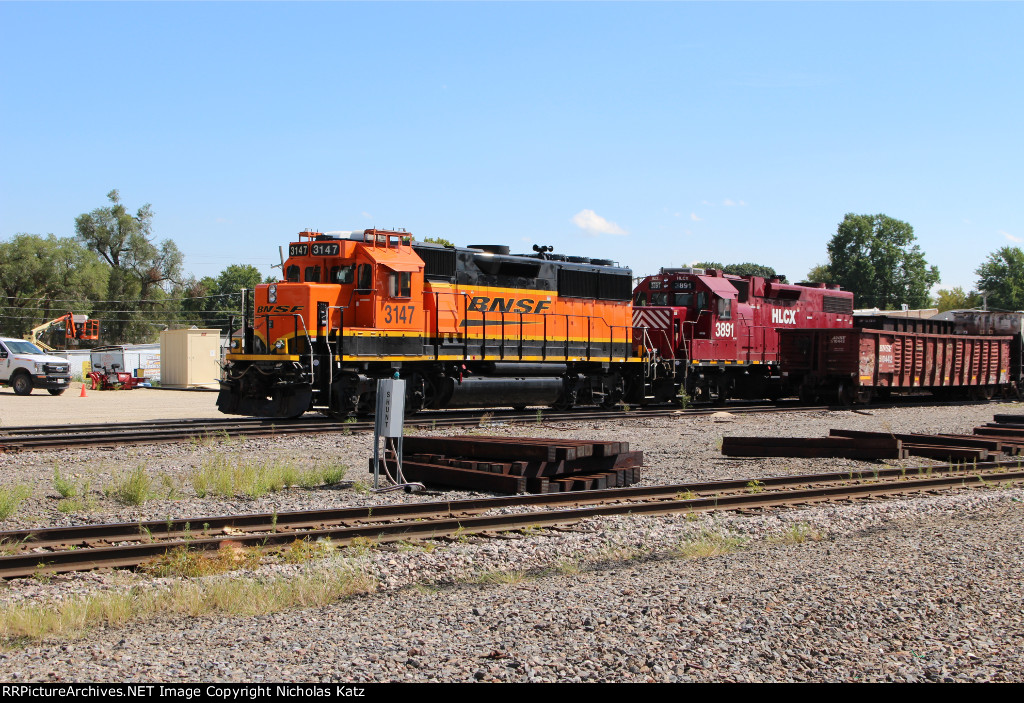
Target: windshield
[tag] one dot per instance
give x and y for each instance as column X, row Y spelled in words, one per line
column 17, row 347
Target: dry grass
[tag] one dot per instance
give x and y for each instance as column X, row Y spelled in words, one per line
column 231, row 596
column 798, row 533
column 226, row 476
column 708, row 544
column 512, row 576
column 192, row 563
column 303, row 550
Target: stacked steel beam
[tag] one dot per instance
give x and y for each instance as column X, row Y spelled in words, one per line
column 519, row 464
column 1004, row 437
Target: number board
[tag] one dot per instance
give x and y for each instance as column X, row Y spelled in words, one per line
column 324, row 249
column 682, row 285
column 298, row 249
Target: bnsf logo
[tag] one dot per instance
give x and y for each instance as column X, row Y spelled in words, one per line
column 485, row 304
column 264, row 309
column 784, row 317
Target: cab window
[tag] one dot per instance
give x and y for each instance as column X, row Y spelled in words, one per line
column 641, row 299
column 724, row 308
column 659, row 298
column 683, row 300
column 702, row 301
column 365, row 277
column 400, row 284
column 312, row 274
column 343, row 274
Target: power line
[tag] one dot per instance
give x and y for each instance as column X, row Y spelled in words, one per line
column 51, row 310
column 80, row 301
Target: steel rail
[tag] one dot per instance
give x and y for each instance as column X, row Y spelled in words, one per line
column 179, row 528
column 417, row 523
column 99, row 435
column 41, row 437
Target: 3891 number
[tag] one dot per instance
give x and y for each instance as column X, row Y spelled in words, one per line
column 724, row 329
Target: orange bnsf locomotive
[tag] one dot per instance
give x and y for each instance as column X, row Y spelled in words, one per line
column 466, row 327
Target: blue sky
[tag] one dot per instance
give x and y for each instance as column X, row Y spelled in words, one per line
column 653, row 134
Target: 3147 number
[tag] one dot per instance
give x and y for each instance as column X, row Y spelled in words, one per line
column 398, row 313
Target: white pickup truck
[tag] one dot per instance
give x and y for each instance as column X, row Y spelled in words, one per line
column 25, row 366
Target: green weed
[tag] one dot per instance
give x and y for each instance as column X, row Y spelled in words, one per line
column 11, row 498
column 134, row 489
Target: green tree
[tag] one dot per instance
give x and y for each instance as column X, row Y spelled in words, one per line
column 744, row 269
column 142, row 273
column 819, row 274
column 212, row 302
column 708, row 265
column 875, row 257
column 956, row 299
column 44, row 277
column 440, row 240
column 1001, row 277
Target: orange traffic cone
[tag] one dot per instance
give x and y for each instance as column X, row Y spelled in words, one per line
column 83, row 393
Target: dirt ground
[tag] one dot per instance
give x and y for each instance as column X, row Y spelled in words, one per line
column 138, row 404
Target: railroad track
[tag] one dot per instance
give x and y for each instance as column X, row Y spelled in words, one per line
column 66, row 549
column 41, row 437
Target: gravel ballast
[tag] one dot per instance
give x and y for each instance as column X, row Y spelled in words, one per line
column 905, row 589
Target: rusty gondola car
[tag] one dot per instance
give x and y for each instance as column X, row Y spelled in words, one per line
column 883, row 356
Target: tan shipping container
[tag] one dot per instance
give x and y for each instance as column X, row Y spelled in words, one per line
column 190, row 358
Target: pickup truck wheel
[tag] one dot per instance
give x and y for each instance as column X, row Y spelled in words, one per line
column 22, row 384
column 55, row 391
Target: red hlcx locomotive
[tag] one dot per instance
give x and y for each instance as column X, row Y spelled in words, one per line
column 718, row 333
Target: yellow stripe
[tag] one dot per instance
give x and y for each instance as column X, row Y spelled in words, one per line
column 263, row 357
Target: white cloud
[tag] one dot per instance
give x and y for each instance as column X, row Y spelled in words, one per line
column 367, row 215
column 693, row 216
column 593, row 224
column 1010, row 236
column 729, row 202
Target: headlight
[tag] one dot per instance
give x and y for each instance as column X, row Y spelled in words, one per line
column 39, row 367
column 234, row 344
column 279, row 344
column 272, row 293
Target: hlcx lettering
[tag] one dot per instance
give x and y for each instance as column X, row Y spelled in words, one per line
column 784, row 317
column 265, row 309
column 524, row 305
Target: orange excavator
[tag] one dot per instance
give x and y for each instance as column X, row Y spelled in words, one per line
column 68, row 329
